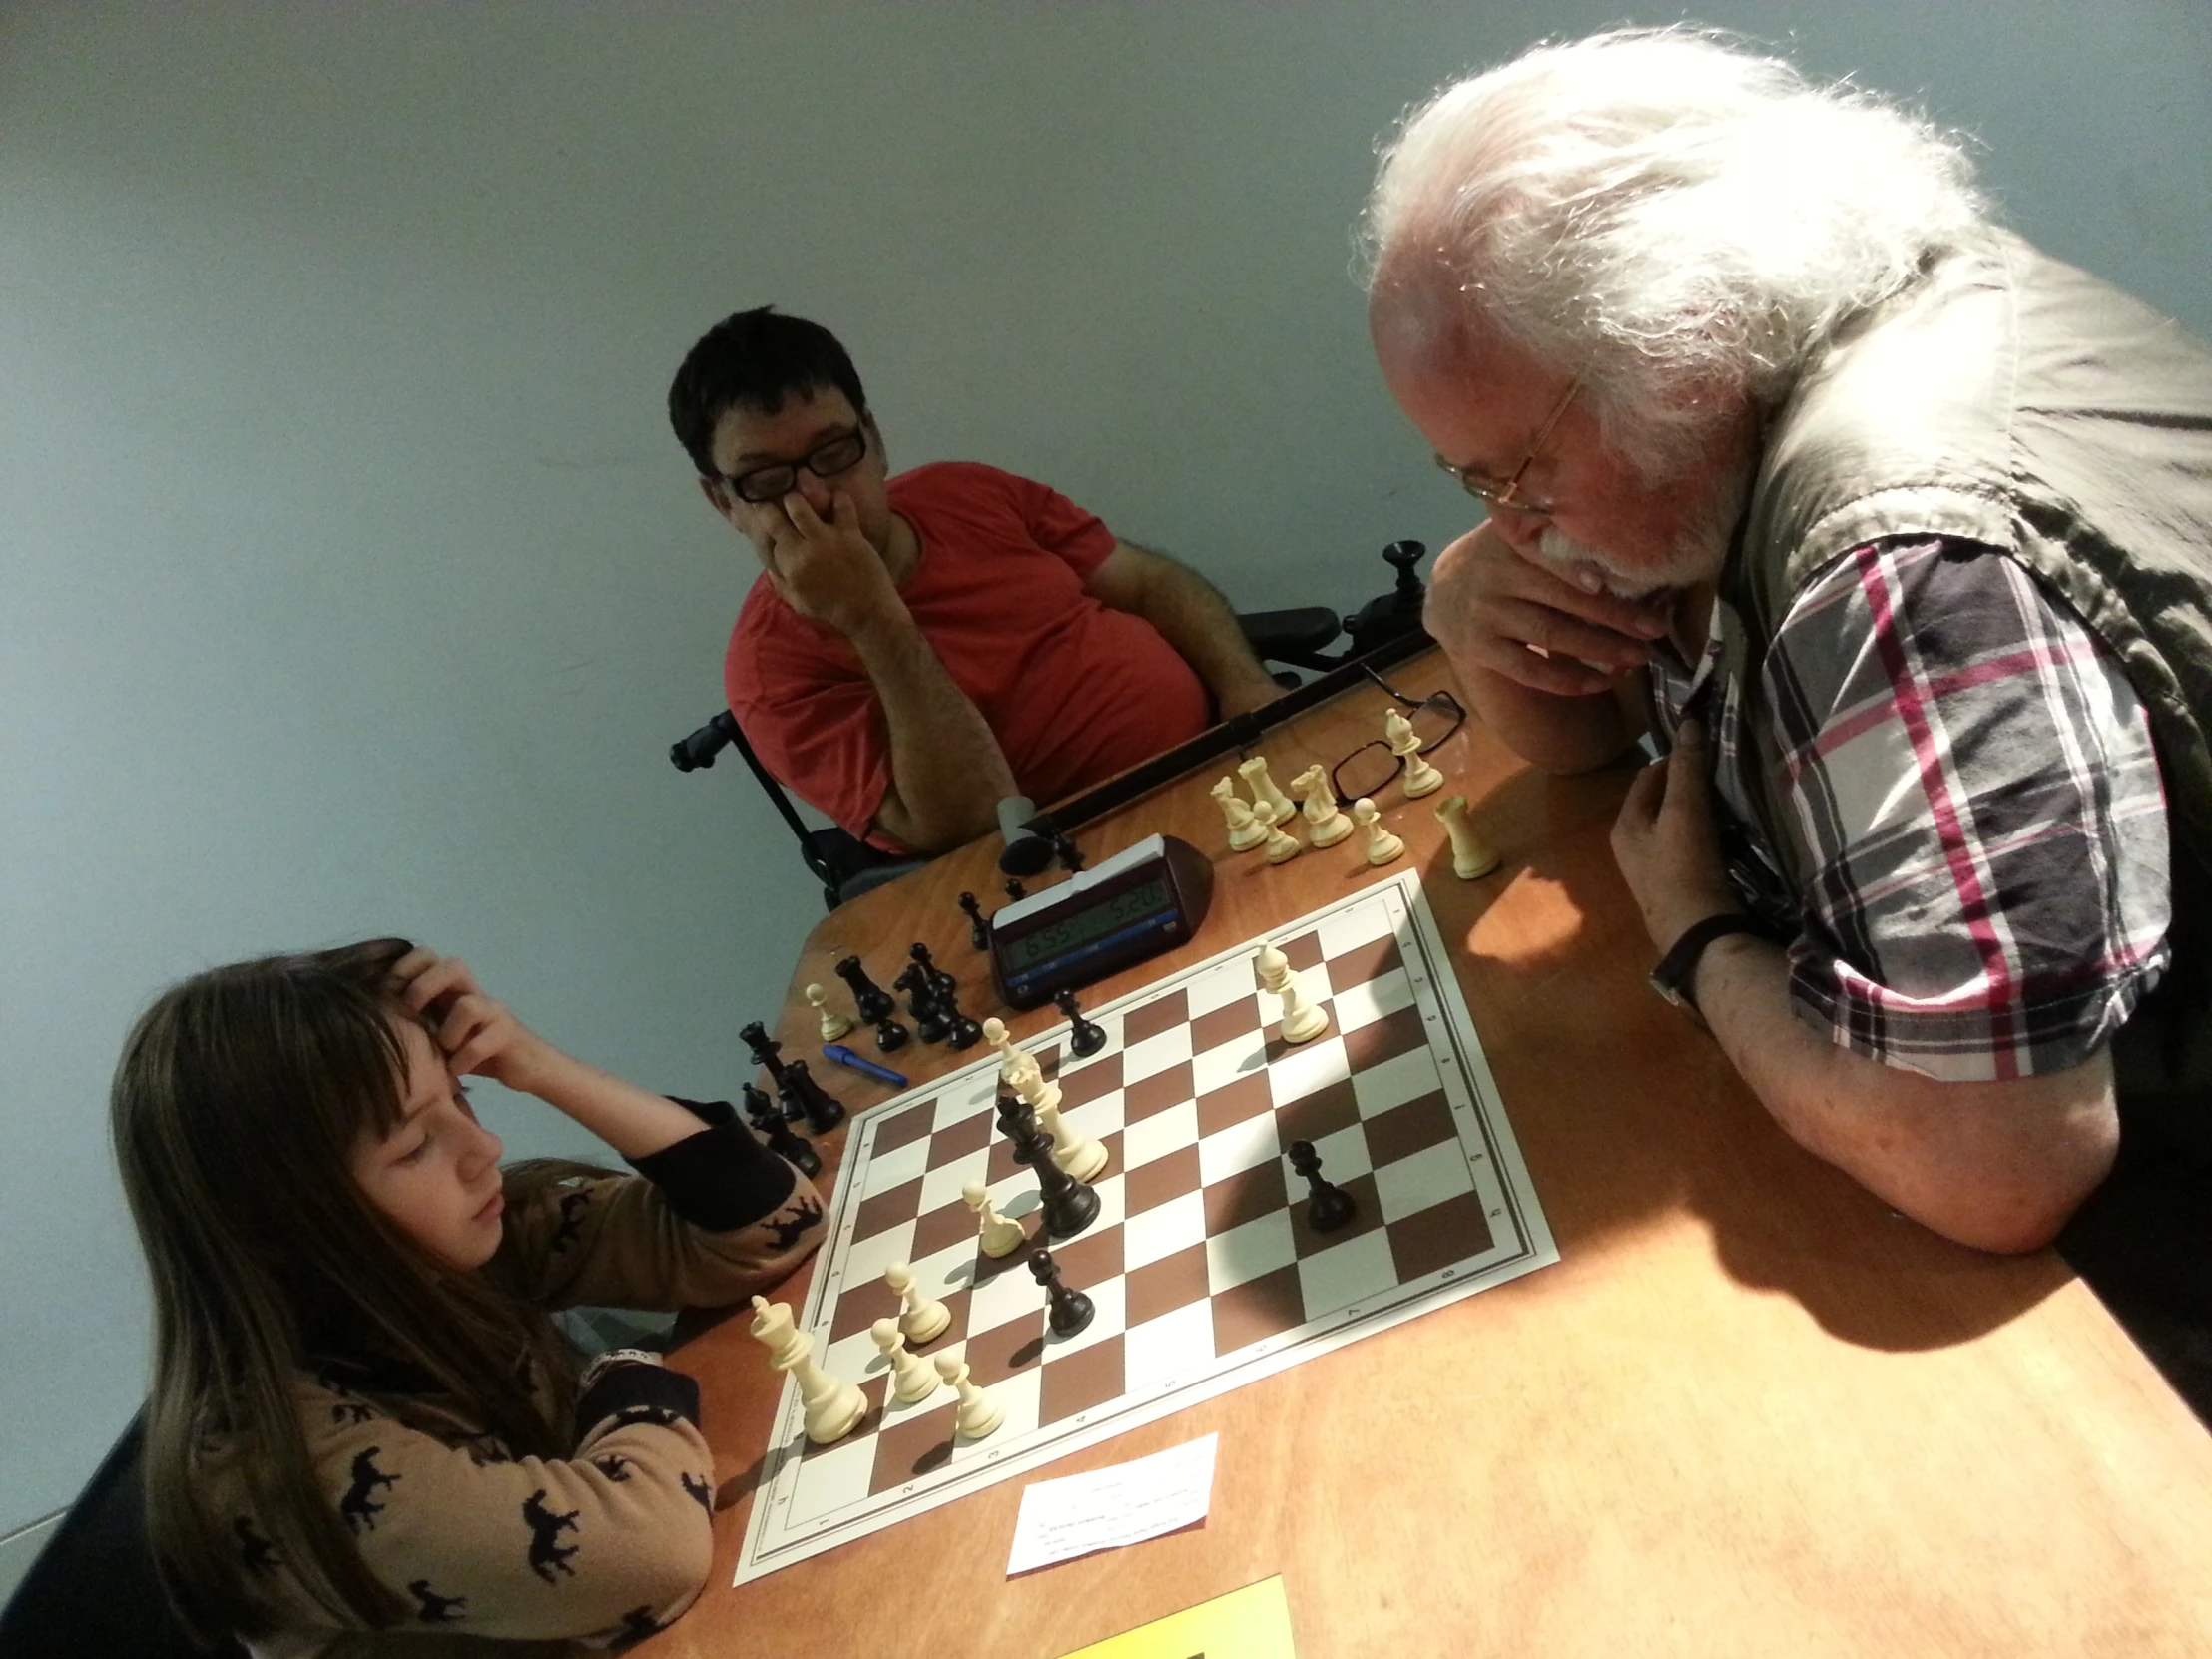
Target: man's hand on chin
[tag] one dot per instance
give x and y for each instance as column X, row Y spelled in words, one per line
column 825, row 570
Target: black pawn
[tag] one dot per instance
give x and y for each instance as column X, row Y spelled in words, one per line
column 1085, row 1037
column 1014, row 888
column 1069, row 854
column 781, row 1141
column 817, row 1105
column 979, row 936
column 965, row 1032
column 1071, row 1309
column 1328, row 1206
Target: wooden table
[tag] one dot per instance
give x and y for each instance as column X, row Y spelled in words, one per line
column 1752, row 1411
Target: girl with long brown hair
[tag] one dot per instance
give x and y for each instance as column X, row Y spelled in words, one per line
column 365, row 1429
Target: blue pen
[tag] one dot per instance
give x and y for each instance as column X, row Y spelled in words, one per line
column 845, row 1056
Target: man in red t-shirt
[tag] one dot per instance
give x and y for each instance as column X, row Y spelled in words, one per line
column 917, row 648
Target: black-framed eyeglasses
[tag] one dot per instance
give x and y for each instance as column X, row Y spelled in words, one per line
column 1508, row 494
column 1369, row 767
column 825, row 460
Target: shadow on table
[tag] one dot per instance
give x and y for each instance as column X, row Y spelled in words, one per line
column 1627, row 1115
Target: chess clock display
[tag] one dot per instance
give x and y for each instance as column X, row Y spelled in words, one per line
column 1145, row 899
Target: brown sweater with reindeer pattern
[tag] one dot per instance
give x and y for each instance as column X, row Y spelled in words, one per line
column 504, row 1556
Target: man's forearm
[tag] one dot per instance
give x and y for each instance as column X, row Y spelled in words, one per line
column 1191, row 615
column 1999, row 1165
column 947, row 771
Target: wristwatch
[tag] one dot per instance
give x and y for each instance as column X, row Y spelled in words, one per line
column 1677, row 969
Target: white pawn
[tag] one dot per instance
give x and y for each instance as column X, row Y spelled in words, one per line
column 1001, row 1235
column 1281, row 848
column 1325, row 825
column 1244, row 833
column 1471, row 855
column 913, row 1376
column 1383, row 847
column 772, row 1323
column 1301, row 1021
column 1420, row 778
column 921, row 1318
column 1078, row 1154
column 978, row 1413
column 834, row 1407
column 1255, row 773
column 834, row 1025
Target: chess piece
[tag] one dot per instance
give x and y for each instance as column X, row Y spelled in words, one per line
column 978, row 1413
column 821, row 1109
column 980, row 933
column 922, row 1316
column 834, row 1025
column 765, row 1051
column 1420, row 778
column 1015, row 891
column 1014, row 1062
column 1280, row 849
column 1067, row 852
column 912, row 1378
column 1471, row 855
column 943, row 987
column 835, row 1407
column 1070, row 1310
column 874, row 1003
column 1079, row 1154
column 773, row 1325
column 1383, row 847
column 1245, row 832
column 760, row 1112
column 1038, row 1092
column 1255, row 773
column 1085, row 1037
column 1069, row 1205
column 1328, row 1206
column 930, row 1025
column 965, row 1032
column 1301, row 1021
column 1325, row 825
column 1000, row 1236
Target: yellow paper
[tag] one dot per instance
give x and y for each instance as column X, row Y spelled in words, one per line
column 1251, row 1623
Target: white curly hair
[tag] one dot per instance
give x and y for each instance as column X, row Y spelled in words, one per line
column 1674, row 218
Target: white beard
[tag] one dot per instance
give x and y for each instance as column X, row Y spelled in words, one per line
column 1688, row 561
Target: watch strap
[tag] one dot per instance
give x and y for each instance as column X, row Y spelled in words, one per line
column 1676, row 973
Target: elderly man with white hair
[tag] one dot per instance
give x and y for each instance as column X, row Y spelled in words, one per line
column 1896, row 536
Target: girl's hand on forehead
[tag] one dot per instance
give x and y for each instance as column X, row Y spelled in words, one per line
column 480, row 1036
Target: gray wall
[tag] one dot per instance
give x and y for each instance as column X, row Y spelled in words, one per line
column 351, row 582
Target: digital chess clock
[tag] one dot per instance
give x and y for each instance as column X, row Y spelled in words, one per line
column 1145, row 899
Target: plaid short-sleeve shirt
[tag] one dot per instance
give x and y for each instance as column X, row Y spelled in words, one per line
column 1976, row 859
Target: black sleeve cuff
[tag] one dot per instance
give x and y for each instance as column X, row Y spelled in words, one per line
column 721, row 1178
column 638, row 1394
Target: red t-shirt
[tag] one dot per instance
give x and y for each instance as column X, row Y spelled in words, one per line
column 1075, row 691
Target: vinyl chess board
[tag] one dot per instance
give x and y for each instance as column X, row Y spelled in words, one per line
column 1203, row 1271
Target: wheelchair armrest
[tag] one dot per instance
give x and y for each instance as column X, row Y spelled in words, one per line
column 1285, row 636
